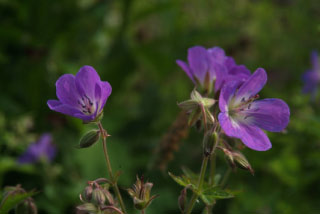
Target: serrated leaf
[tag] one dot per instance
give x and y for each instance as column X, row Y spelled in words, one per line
column 209, row 196
column 11, row 200
column 89, row 139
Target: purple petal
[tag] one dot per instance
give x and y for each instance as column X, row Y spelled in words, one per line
column 58, row 106
column 186, row 69
column 252, row 86
column 229, row 126
column 311, row 80
column 66, row 90
column 226, row 94
column 220, row 73
column 217, row 55
column 86, row 80
column 269, row 114
column 240, row 70
column 315, row 61
column 198, row 62
column 230, row 63
column 106, row 90
column 253, row 137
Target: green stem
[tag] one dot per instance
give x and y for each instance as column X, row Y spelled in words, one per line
column 114, row 182
column 200, row 183
column 225, row 178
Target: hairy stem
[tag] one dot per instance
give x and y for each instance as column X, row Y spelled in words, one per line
column 200, row 183
column 114, row 182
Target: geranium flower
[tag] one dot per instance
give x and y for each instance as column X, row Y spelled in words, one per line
column 244, row 117
column 82, row 96
column 42, row 149
column 311, row 78
column 206, row 66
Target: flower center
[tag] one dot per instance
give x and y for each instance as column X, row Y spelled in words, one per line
column 86, row 104
column 241, row 109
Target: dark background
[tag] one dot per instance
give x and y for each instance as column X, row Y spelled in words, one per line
column 133, row 44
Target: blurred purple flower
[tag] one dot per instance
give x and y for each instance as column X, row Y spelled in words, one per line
column 311, row 78
column 206, row 66
column 82, row 96
column 43, row 148
column 244, row 117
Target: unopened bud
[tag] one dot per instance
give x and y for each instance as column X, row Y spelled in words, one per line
column 98, row 196
column 209, row 141
column 108, row 197
column 87, row 193
column 182, row 200
column 236, row 158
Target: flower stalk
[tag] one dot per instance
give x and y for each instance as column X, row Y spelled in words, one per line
column 200, row 183
column 104, row 136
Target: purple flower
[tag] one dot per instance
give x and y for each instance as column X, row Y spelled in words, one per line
column 311, row 78
column 206, row 66
column 244, row 117
column 43, row 148
column 82, row 96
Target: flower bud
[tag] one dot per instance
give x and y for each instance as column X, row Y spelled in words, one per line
column 182, row 200
column 87, row 193
column 98, row 196
column 89, row 139
column 209, row 142
column 237, row 159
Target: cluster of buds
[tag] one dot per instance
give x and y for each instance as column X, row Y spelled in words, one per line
column 25, row 206
column 198, row 107
column 140, row 193
column 237, row 159
column 96, row 198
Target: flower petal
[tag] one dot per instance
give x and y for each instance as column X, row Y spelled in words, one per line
column 315, row 61
column 229, row 126
column 252, row 86
column 86, row 80
column 198, row 62
column 226, row 94
column 269, row 114
column 253, row 137
column 217, row 55
column 106, row 90
column 66, row 90
column 311, row 80
column 186, row 69
column 58, row 106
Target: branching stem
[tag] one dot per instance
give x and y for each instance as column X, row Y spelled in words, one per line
column 104, row 136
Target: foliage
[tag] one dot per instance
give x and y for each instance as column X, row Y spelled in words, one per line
column 134, row 44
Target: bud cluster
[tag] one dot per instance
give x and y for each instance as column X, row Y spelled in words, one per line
column 96, row 198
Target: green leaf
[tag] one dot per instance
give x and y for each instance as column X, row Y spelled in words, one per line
column 89, row 139
column 209, row 196
column 11, row 200
column 184, row 181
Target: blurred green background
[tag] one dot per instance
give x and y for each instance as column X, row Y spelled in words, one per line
column 133, row 44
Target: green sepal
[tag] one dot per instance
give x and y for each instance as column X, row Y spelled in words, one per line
column 89, row 139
